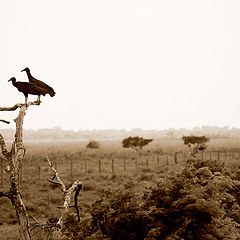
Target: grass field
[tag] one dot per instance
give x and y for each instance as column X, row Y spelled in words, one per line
column 118, row 167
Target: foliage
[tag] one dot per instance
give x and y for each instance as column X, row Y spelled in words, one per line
column 199, row 203
column 117, row 215
column 136, row 143
column 194, row 139
column 195, row 143
column 93, row 144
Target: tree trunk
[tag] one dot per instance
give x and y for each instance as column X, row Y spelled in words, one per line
column 16, row 166
column 15, row 160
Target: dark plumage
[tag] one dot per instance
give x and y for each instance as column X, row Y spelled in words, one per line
column 28, row 88
column 39, row 83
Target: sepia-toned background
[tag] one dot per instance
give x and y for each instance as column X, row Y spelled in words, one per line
column 124, row 64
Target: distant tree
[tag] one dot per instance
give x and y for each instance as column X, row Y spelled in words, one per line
column 195, row 143
column 93, row 144
column 136, row 143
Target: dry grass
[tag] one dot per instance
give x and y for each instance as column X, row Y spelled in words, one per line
column 42, row 198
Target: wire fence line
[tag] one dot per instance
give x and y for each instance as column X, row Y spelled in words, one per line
column 71, row 167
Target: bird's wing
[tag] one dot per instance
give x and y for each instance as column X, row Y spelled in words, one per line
column 43, row 85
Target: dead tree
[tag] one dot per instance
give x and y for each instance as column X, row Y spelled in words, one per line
column 14, row 159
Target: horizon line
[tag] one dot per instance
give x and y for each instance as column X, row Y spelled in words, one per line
column 127, row 129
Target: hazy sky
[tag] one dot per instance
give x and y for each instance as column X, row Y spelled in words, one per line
column 123, row 64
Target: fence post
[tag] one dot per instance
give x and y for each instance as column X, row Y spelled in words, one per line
column 225, row 156
column 39, row 171
column 99, row 166
column 124, row 164
column 113, row 165
column 202, row 155
column 85, row 164
column 218, row 155
column 210, row 155
column 71, row 168
column 147, row 162
column 167, row 159
column 158, row 161
column 175, row 157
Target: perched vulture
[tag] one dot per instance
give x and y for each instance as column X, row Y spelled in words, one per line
column 28, row 88
column 39, row 83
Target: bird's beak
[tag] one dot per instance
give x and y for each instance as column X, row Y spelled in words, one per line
column 23, row 70
column 9, row 80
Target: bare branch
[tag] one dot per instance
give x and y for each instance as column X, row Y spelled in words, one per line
column 2, row 120
column 3, row 147
column 75, row 187
column 75, row 200
column 2, row 194
column 51, row 181
column 36, row 103
column 60, row 207
column 59, row 181
column 18, row 105
column 35, row 220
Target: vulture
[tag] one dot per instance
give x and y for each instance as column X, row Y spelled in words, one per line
column 28, row 88
column 39, row 83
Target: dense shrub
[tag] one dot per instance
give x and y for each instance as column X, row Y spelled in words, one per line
column 201, row 202
column 93, row 144
column 119, row 214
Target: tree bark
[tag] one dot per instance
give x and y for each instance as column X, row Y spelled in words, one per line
column 15, row 166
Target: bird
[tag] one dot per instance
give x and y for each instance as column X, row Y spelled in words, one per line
column 38, row 83
column 28, row 88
